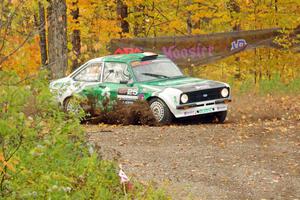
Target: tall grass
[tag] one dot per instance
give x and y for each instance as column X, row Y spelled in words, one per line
column 272, row 86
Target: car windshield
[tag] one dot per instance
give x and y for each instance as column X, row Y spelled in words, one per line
column 155, row 69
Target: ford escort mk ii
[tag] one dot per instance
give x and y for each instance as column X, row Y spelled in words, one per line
column 148, row 77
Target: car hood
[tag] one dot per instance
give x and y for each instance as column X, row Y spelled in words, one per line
column 58, row 83
column 185, row 84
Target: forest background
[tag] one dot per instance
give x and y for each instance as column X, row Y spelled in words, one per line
column 61, row 35
column 43, row 151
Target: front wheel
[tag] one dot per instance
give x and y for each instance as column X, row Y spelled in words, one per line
column 221, row 116
column 161, row 111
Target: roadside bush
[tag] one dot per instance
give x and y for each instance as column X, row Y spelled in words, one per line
column 276, row 86
column 266, row 86
column 43, row 153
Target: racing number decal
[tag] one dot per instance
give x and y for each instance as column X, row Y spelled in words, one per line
column 128, row 94
column 128, row 91
column 132, row 92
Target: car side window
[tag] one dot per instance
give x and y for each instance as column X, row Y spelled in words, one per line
column 91, row 73
column 115, row 72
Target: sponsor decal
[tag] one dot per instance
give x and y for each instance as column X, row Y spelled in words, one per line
column 132, row 92
column 238, row 44
column 128, row 102
column 221, row 107
column 128, row 94
column 175, row 100
column 189, row 112
column 139, row 63
column 128, row 50
column 127, row 98
column 128, row 91
column 122, row 91
column 141, row 97
column 197, row 51
column 205, row 110
column 218, row 44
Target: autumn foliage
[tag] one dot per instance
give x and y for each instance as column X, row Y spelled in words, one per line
column 92, row 24
column 43, row 151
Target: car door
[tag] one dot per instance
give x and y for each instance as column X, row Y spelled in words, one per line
column 117, row 82
column 88, row 74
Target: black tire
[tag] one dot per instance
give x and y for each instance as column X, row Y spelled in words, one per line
column 160, row 111
column 221, row 116
column 207, row 119
column 84, row 116
column 66, row 104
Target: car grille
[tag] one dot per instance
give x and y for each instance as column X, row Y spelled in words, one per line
column 205, row 95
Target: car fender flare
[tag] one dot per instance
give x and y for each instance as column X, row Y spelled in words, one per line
column 170, row 96
column 65, row 99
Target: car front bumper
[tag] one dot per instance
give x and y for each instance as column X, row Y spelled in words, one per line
column 201, row 108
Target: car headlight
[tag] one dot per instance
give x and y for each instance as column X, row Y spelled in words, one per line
column 225, row 92
column 184, row 98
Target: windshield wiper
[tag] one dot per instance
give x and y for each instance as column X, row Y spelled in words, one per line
column 156, row 75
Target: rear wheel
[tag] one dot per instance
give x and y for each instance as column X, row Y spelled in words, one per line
column 161, row 111
column 71, row 105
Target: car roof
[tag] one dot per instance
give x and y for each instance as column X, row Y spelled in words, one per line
column 125, row 58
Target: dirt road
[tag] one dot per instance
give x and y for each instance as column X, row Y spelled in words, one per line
column 248, row 157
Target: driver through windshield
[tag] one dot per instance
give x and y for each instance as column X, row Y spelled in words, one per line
column 155, row 69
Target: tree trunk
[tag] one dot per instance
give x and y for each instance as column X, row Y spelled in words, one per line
column 189, row 31
column 234, row 7
column 189, row 24
column 276, row 11
column 41, row 26
column 76, row 40
column 57, row 38
column 189, row 21
column 139, row 26
column 122, row 13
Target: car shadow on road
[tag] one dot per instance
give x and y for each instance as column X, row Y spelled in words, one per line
column 199, row 119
